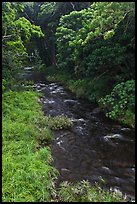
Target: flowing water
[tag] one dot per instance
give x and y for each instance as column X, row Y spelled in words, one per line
column 95, row 148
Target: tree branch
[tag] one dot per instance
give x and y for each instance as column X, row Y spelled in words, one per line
column 5, row 37
column 73, row 6
column 29, row 18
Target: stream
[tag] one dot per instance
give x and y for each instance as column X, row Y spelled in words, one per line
column 95, row 148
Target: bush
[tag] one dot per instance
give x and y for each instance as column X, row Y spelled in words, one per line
column 120, row 103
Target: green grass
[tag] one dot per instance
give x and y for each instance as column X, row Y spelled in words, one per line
column 83, row 192
column 58, row 122
column 27, row 173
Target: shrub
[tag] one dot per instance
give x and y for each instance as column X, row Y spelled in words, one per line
column 120, row 103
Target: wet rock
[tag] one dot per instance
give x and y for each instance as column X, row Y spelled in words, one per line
column 116, row 181
column 115, row 136
column 65, row 170
column 34, row 86
column 42, row 84
column 96, row 111
column 106, row 170
column 125, row 129
column 107, row 140
column 43, row 89
column 60, row 145
column 94, row 178
column 48, row 101
column 70, row 101
column 28, row 68
column 38, row 86
column 129, row 171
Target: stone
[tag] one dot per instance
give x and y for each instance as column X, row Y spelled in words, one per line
column 96, row 111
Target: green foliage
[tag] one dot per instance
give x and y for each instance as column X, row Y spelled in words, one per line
column 79, row 32
column 79, row 87
column 26, row 177
column 3, row 85
column 18, row 131
column 27, row 172
column 58, row 122
column 47, row 15
column 39, row 66
column 95, row 52
column 97, row 46
column 92, row 89
column 120, row 103
column 26, row 29
column 17, row 31
column 16, row 102
column 45, row 136
column 53, row 73
column 84, row 192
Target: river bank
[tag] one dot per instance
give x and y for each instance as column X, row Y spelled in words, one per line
column 95, row 147
column 74, row 149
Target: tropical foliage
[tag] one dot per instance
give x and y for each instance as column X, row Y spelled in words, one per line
column 16, row 32
column 97, row 45
column 88, row 46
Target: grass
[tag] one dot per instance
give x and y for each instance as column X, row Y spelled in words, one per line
column 27, row 173
column 58, row 122
column 83, row 192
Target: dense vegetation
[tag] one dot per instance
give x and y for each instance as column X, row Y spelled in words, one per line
column 87, row 46
column 98, row 48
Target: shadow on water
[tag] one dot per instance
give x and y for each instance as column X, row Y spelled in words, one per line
column 95, row 148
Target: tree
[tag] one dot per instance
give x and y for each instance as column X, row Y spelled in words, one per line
column 96, row 39
column 47, row 15
column 16, row 33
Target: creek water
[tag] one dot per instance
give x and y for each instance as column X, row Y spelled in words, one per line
column 95, row 148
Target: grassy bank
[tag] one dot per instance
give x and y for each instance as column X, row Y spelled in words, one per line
column 28, row 174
